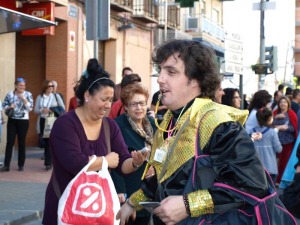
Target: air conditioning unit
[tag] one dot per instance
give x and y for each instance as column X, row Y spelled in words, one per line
column 192, row 23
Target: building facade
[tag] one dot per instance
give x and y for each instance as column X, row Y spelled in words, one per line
column 61, row 54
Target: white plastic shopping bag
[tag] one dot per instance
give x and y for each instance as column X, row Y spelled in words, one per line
column 49, row 121
column 90, row 198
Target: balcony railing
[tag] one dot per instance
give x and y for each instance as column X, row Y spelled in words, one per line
column 145, row 9
column 173, row 16
column 122, row 5
column 200, row 24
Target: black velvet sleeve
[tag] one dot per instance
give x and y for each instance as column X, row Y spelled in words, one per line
column 235, row 162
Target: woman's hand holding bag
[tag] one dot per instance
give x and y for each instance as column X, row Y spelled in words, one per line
column 90, row 198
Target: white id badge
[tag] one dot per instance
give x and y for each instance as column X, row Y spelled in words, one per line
column 159, row 155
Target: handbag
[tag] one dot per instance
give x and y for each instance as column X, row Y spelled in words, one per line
column 89, row 198
column 57, row 110
column 291, row 196
column 9, row 112
column 49, row 122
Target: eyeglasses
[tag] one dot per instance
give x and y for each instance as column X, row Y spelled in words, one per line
column 135, row 104
column 238, row 97
column 50, row 85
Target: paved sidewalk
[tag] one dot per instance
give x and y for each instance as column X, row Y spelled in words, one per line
column 22, row 193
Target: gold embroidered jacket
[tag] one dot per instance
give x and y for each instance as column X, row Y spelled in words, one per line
column 222, row 136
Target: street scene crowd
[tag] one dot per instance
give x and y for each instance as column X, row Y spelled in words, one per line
column 194, row 152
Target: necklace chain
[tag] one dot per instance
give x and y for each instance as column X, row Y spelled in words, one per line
column 156, row 121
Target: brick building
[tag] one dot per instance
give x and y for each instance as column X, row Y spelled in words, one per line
column 61, row 53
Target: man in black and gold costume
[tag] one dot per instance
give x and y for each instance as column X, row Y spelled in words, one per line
column 188, row 79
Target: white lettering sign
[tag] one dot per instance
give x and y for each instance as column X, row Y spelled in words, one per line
column 233, row 68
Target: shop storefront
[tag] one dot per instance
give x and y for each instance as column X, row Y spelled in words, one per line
column 57, row 49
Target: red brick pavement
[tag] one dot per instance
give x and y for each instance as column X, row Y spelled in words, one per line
column 34, row 169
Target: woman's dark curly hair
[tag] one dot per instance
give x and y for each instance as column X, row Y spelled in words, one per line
column 260, row 99
column 199, row 60
column 90, row 80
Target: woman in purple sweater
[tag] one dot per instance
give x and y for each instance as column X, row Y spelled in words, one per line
column 78, row 134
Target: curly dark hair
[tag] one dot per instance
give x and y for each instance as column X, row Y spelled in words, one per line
column 91, row 80
column 260, row 99
column 199, row 60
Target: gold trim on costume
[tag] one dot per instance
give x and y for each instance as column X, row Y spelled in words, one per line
column 138, row 197
column 210, row 114
column 200, row 203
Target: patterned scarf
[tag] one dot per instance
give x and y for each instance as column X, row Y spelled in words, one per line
column 147, row 132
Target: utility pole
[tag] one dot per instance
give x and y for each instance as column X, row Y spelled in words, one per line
column 262, row 6
column 262, row 42
column 95, row 28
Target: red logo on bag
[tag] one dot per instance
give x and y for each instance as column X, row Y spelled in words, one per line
column 89, row 201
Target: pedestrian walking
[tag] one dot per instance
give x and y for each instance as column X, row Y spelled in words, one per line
column 44, row 103
column 17, row 103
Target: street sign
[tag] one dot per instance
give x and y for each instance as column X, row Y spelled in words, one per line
column 233, row 68
column 265, row 6
column 233, row 57
column 233, row 53
column 233, row 46
column 100, row 17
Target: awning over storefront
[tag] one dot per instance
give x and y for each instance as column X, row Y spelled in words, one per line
column 13, row 21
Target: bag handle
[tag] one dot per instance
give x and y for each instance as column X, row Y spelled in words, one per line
column 107, row 134
column 56, row 99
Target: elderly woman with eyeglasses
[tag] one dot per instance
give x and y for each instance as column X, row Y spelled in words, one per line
column 20, row 102
column 137, row 129
column 44, row 102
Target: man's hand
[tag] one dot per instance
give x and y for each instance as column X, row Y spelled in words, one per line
column 121, row 197
column 125, row 213
column 171, row 210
